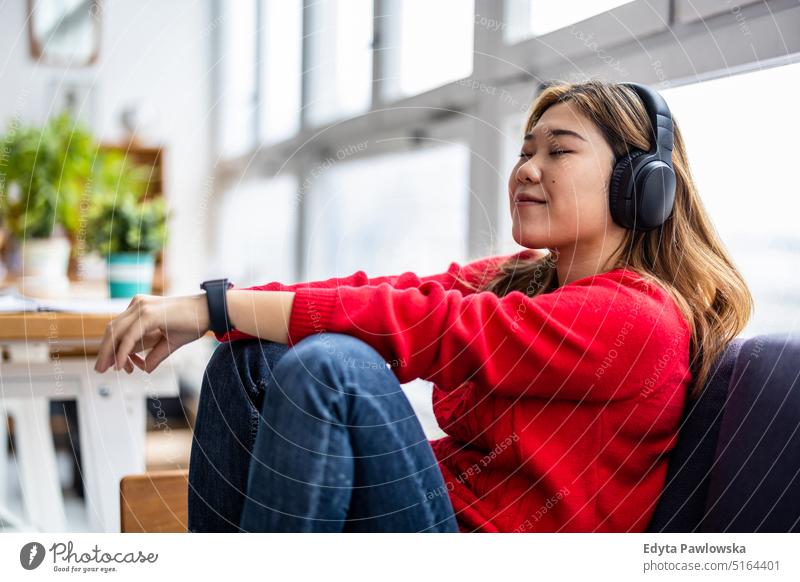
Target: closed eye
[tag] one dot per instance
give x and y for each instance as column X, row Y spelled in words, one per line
column 553, row 153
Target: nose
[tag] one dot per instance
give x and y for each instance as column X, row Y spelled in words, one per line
column 528, row 172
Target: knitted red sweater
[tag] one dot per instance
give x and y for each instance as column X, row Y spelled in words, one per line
column 559, row 408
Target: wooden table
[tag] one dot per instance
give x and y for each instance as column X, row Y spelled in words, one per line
column 47, row 356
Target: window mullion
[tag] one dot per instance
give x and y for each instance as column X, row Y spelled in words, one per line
column 258, row 74
column 307, row 64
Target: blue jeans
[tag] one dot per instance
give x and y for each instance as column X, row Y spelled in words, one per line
column 316, row 437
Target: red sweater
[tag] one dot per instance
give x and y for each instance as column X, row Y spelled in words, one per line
column 560, row 409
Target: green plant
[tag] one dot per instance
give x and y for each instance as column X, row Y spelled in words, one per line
column 43, row 173
column 120, row 220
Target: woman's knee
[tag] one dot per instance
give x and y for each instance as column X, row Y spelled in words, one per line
column 334, row 360
column 339, row 349
column 246, row 363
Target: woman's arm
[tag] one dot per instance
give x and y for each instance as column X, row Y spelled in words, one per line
column 164, row 324
column 261, row 314
column 598, row 338
column 477, row 272
column 447, row 279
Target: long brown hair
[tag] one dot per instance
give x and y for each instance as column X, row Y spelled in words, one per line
column 685, row 256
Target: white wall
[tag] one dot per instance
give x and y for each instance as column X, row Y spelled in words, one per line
column 154, row 53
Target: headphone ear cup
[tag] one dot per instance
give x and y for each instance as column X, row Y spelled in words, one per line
column 621, row 180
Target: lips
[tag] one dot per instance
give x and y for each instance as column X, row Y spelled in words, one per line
column 523, row 198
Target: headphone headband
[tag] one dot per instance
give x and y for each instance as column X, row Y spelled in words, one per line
column 660, row 121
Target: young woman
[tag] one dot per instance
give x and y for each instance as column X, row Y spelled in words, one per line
column 560, row 372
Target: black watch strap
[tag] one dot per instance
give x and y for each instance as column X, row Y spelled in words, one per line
column 217, row 304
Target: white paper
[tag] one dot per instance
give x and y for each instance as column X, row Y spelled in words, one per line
column 14, row 303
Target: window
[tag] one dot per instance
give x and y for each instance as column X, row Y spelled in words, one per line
column 340, row 69
column 528, row 18
column 280, row 60
column 237, row 86
column 260, row 73
column 389, row 214
column 434, row 45
column 750, row 189
column 257, row 230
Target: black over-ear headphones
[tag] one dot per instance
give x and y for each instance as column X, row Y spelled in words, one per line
column 642, row 190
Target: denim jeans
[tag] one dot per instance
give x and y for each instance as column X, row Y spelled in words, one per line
column 316, row 437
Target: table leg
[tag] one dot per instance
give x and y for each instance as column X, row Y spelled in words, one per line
column 35, row 455
column 5, row 468
column 111, row 417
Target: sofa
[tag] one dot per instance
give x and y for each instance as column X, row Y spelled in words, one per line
column 736, row 464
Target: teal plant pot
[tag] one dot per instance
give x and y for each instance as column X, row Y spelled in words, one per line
column 129, row 274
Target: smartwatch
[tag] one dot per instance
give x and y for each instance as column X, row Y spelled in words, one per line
column 216, row 291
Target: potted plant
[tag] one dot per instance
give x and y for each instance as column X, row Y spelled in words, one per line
column 124, row 227
column 43, row 171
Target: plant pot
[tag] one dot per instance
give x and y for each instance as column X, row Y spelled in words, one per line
column 129, row 274
column 44, row 266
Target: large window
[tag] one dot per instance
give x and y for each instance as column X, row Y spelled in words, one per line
column 528, row 18
column 237, row 79
column 280, row 49
column 340, row 67
column 741, row 143
column 434, row 43
column 259, row 73
column 386, row 215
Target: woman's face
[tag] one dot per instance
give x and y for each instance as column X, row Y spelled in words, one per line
column 560, row 200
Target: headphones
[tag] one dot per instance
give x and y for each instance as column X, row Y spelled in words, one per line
column 642, row 188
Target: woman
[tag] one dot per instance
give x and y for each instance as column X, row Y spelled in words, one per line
column 559, row 374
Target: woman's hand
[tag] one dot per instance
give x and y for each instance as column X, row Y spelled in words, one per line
column 161, row 323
